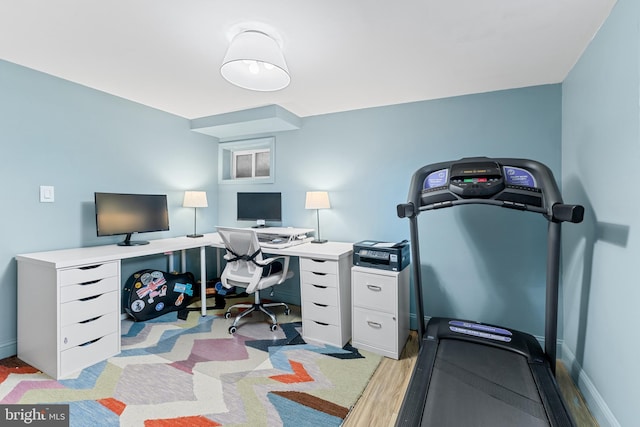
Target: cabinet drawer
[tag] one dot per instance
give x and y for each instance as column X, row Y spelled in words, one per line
column 81, row 310
column 324, row 279
column 88, row 289
column 88, row 273
column 375, row 291
column 80, row 333
column 375, row 329
column 320, row 293
column 77, row 358
column 320, row 313
column 319, row 266
column 325, row 333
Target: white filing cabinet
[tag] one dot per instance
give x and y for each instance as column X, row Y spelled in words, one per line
column 326, row 300
column 380, row 310
column 68, row 318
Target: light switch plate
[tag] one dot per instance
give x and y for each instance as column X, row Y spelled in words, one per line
column 47, row 194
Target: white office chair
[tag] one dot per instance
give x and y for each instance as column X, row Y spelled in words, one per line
column 247, row 269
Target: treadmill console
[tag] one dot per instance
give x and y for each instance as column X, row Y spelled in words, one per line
column 476, row 180
column 481, row 180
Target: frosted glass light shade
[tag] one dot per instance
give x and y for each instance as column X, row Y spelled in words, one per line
column 255, row 61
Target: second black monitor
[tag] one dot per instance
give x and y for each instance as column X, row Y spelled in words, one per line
column 259, row 207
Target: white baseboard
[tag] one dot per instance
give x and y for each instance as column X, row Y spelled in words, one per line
column 598, row 407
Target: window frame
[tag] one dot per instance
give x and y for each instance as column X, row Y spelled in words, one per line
column 229, row 151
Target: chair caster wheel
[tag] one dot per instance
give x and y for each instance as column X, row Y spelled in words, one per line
column 273, row 328
column 232, row 330
column 227, row 315
column 287, row 312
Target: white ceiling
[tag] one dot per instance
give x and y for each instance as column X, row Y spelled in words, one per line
column 342, row 54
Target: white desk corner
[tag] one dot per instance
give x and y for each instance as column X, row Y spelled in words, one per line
column 69, row 301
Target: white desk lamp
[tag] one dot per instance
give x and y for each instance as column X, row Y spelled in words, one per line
column 317, row 200
column 195, row 199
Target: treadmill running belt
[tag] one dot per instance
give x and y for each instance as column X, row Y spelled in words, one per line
column 478, row 385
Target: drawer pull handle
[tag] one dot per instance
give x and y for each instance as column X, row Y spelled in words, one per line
column 374, row 288
column 321, row 323
column 321, row 305
column 374, row 324
column 90, row 267
column 90, row 320
column 319, row 286
column 90, row 342
column 90, row 298
column 319, row 274
column 318, row 260
column 93, row 282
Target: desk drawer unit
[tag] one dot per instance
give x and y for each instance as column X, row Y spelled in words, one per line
column 68, row 318
column 380, row 310
column 326, row 300
column 89, row 315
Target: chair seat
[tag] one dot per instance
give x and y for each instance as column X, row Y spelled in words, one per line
column 266, row 282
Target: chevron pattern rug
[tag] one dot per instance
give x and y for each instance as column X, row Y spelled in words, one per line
column 192, row 373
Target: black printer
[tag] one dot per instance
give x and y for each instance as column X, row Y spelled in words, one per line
column 382, row 255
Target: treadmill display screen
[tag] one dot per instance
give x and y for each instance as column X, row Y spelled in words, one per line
column 436, row 179
column 519, row 176
column 475, row 169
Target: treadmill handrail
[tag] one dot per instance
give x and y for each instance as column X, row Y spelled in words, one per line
column 553, row 209
column 550, row 193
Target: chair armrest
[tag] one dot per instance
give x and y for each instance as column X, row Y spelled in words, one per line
column 285, row 265
column 285, row 269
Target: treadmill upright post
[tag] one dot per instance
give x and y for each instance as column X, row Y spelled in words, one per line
column 417, row 276
column 551, row 308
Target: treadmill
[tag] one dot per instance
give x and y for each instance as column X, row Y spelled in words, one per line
column 474, row 374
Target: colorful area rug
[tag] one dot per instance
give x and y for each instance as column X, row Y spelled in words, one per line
column 192, row 373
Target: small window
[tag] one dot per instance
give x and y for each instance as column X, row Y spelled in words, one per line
column 243, row 161
column 251, row 164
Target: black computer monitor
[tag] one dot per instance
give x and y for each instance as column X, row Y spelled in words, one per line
column 259, row 207
column 118, row 213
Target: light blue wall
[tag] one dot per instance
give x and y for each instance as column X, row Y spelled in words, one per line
column 600, row 157
column 53, row 132
column 480, row 263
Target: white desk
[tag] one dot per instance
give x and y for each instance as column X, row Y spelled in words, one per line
column 330, row 251
column 69, row 300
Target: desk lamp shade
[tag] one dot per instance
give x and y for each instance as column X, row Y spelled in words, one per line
column 317, row 200
column 195, row 199
column 255, row 61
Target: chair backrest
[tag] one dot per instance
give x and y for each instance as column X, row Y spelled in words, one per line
column 241, row 244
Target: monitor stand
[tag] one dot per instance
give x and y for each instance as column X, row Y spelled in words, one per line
column 128, row 242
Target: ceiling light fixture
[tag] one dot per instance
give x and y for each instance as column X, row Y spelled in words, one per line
column 255, row 61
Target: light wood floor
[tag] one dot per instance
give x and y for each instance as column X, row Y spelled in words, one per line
column 381, row 400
